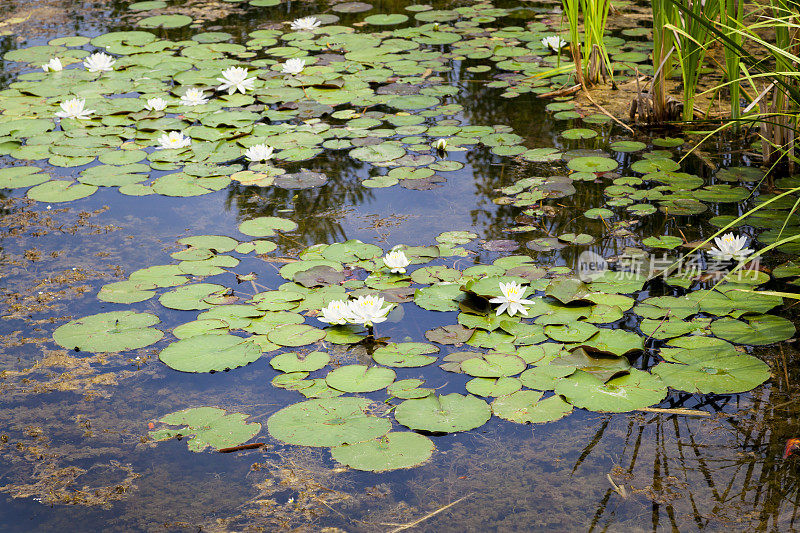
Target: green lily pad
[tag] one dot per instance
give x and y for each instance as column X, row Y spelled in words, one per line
column 126, row 292
column 297, row 362
column 493, row 387
column 397, row 449
column 57, row 191
column 755, row 330
column 527, row 407
column 165, row 21
column 207, row 427
column 109, row 332
column 295, row 335
column 196, row 296
column 592, row 164
column 444, row 414
column 206, row 353
column 405, row 354
column 545, row 377
column 719, row 375
column 327, row 422
column 493, row 365
column 624, row 393
column 266, row 226
column 407, row 389
column 360, row 378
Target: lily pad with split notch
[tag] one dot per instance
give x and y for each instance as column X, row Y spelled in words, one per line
column 266, row 226
column 206, row 353
column 629, row 392
column 295, row 335
column 405, row 354
column 756, row 330
column 207, row 427
column 493, row 365
column 395, row 450
column 360, row 378
column 299, row 362
column 493, row 386
column 327, row 422
column 719, row 375
column 527, row 407
column 109, row 332
column 408, row 389
column 443, row 414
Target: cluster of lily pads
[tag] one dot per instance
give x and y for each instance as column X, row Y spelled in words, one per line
column 566, row 344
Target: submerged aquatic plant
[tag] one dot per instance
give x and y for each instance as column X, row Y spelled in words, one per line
column 235, row 79
column 99, row 62
column 53, row 65
column 730, row 247
column 156, row 104
column 512, row 300
column 74, row 108
column 193, row 97
column 173, row 139
column 305, row 24
column 293, row 66
column 397, row 261
column 259, row 152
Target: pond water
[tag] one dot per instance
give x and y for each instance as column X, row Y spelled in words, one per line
column 524, row 184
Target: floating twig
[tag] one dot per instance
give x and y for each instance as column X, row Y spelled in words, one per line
column 251, row 446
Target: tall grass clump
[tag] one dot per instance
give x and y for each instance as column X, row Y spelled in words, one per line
column 590, row 57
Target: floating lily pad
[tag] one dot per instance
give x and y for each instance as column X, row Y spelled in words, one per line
column 327, row 422
column 527, row 407
column 405, row 354
column 360, row 378
column 266, row 226
column 720, row 375
column 297, row 362
column 444, row 414
column 758, row 330
column 295, row 335
column 624, row 393
column 592, row 164
column 207, row 427
column 397, row 449
column 493, row 365
column 109, row 332
column 493, row 387
column 204, row 353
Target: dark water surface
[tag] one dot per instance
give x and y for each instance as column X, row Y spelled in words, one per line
column 72, row 450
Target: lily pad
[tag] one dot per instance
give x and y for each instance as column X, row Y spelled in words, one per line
column 397, row 449
column 297, row 362
column 109, row 332
column 405, row 354
column 624, row 393
column 719, row 375
column 527, row 407
column 360, row 378
column 207, row 427
column 206, row 353
column 327, row 422
column 444, row 414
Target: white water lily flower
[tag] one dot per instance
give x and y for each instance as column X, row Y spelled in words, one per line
column 293, row 66
column 512, row 299
column 258, row 152
column 193, row 96
column 173, row 139
column 396, row 261
column 54, row 65
column 366, row 310
column 305, row 24
column 156, row 104
column 74, row 109
column 554, row 43
column 730, row 247
column 235, row 79
column 336, row 312
column 441, row 144
column 99, row 62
